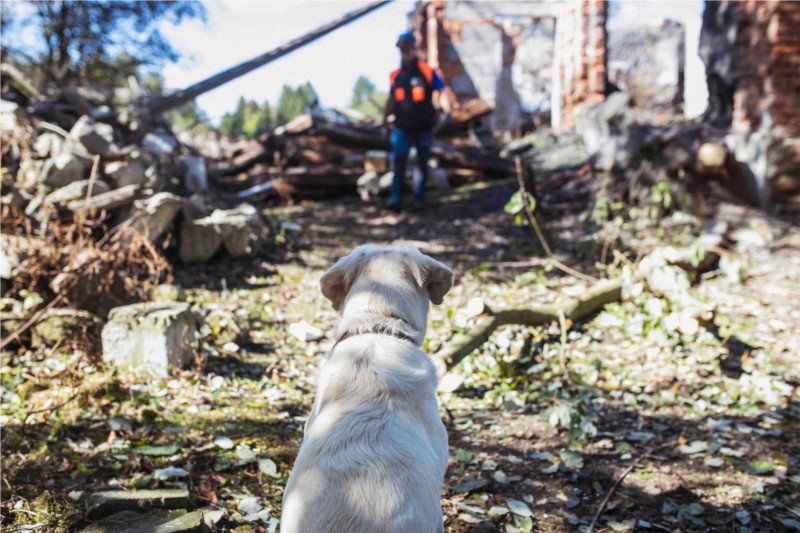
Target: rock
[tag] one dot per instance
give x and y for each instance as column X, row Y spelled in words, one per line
column 167, row 292
column 222, row 326
column 158, row 521
column 65, row 168
column 604, row 129
column 96, row 137
column 200, row 240
column 367, row 185
column 242, row 229
column 305, row 332
column 122, row 173
column 48, row 144
column 106, row 503
column 76, row 191
column 8, row 116
column 195, row 179
column 150, row 337
column 160, row 211
column 160, row 143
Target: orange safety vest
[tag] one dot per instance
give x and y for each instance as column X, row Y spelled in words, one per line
column 412, row 92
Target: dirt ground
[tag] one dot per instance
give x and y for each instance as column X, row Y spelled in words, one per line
column 667, row 428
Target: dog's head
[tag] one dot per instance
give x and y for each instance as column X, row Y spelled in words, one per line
column 398, row 277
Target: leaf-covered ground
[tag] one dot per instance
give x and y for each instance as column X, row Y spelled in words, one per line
column 668, row 425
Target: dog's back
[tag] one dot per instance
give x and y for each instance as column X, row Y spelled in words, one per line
column 375, row 451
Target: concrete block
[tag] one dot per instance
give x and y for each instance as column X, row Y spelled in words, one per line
column 200, row 240
column 150, row 337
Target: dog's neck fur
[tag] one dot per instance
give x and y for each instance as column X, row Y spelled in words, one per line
column 364, row 323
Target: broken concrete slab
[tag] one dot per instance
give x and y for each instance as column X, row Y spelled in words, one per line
column 243, row 231
column 176, row 521
column 77, row 190
column 105, row 503
column 150, row 337
column 159, row 211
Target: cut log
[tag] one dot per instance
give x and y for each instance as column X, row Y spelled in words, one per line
column 473, row 158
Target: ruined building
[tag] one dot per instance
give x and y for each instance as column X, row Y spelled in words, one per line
column 539, row 63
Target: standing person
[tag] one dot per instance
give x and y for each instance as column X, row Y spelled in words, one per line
column 411, row 102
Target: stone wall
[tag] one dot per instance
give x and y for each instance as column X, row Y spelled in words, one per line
column 501, row 52
column 647, row 62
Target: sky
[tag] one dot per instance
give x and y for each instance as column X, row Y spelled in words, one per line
column 238, row 30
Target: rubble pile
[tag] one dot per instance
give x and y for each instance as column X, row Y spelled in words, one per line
column 326, row 153
column 617, row 153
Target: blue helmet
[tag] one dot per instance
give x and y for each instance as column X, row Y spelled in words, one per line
column 406, row 40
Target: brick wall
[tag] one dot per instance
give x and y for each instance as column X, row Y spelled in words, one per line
column 582, row 57
column 767, row 66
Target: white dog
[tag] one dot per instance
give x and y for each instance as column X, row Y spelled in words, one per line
column 375, row 450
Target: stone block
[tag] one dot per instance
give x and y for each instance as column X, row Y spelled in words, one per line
column 200, row 240
column 150, row 337
column 106, row 503
column 177, row 521
column 242, row 229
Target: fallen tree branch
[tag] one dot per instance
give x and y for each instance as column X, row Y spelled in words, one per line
column 572, row 309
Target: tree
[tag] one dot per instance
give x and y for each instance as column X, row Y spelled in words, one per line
column 293, row 102
column 367, row 100
column 248, row 119
column 83, row 38
column 362, row 91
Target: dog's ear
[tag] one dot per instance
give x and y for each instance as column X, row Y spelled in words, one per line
column 438, row 279
column 336, row 283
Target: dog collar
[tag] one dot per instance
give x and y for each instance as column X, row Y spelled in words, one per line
column 392, row 327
